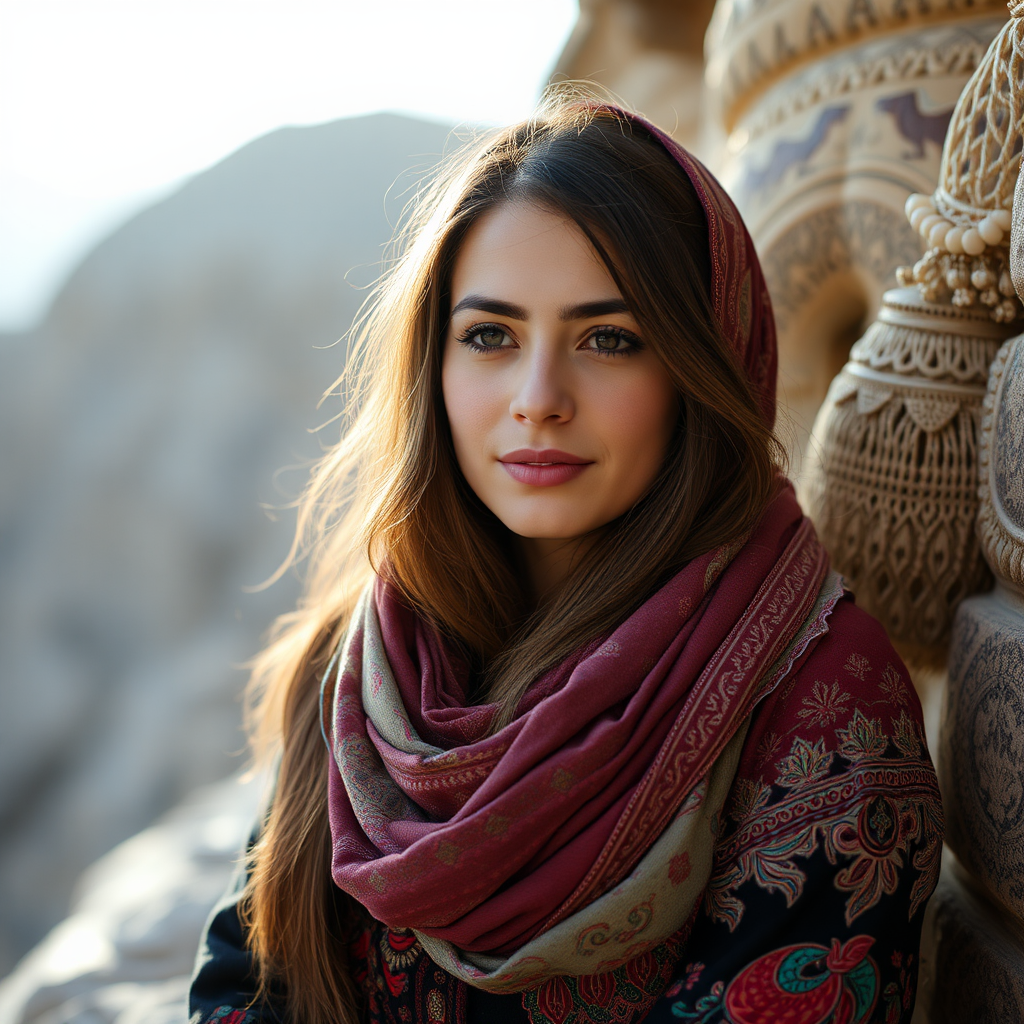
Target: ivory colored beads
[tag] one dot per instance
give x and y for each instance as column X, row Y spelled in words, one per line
column 941, row 233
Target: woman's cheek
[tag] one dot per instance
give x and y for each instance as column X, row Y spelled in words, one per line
column 473, row 405
column 638, row 419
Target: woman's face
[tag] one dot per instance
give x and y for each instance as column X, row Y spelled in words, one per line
column 559, row 412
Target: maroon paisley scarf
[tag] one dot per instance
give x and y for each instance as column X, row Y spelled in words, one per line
column 509, row 854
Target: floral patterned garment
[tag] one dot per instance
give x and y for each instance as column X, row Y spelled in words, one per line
column 828, row 850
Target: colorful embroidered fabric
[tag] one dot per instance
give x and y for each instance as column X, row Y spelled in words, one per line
column 827, row 850
column 526, row 854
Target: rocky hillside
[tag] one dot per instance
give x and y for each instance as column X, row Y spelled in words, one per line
column 141, row 428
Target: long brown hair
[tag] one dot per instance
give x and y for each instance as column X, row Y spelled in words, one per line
column 390, row 497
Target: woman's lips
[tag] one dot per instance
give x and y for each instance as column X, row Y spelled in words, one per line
column 546, row 468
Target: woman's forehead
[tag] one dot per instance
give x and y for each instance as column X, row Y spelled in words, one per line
column 530, row 255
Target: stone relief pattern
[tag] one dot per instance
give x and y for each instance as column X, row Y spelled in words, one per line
column 965, row 222
column 982, row 762
column 753, row 182
column 750, row 44
column 986, row 128
column 896, row 508
column 1008, row 458
column 892, row 482
column 928, row 54
column 973, row 967
column 958, row 358
column 1001, row 463
column 831, row 241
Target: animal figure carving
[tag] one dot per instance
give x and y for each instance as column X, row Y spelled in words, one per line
column 789, row 153
column 913, row 125
column 828, row 218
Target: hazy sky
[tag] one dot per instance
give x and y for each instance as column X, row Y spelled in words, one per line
column 107, row 104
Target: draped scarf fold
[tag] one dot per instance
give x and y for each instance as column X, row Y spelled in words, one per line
column 580, row 835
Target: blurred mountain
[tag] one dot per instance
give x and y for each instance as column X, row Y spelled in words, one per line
column 141, row 427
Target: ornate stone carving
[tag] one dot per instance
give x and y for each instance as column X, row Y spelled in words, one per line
column 893, row 468
column 899, row 60
column 1001, row 466
column 829, row 242
column 823, row 145
column 982, row 745
column 966, row 222
column 979, row 942
column 892, row 478
column 750, row 43
column 978, row 912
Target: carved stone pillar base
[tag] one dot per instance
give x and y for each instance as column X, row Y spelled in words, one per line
column 978, row 910
column 976, row 969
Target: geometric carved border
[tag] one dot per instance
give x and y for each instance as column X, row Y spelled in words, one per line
column 1002, row 539
column 855, row 234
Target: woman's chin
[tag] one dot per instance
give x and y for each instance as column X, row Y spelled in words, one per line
column 553, row 530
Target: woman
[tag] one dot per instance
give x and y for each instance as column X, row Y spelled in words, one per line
column 605, row 739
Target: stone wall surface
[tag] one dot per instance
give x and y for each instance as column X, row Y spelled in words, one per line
column 650, row 53
column 141, row 427
column 979, row 908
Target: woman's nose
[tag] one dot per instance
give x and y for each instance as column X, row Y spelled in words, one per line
column 543, row 391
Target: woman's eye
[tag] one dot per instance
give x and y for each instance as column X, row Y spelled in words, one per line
column 486, row 338
column 490, row 337
column 608, row 340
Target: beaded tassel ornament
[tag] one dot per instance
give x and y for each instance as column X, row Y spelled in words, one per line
column 966, row 222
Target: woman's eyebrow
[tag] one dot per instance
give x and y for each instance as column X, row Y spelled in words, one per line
column 574, row 311
column 586, row 310
column 496, row 306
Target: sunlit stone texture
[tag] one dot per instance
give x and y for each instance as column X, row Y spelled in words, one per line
column 892, row 469
column 831, row 112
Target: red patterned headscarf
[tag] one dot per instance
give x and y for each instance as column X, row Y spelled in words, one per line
column 739, row 295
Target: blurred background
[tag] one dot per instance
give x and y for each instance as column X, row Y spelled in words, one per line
column 194, row 197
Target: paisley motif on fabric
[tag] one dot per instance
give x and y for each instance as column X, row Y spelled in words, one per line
column 622, row 996
column 805, row 983
column 399, row 983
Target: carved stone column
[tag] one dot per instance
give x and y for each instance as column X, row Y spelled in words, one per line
column 892, row 473
column 978, row 910
column 650, row 53
column 977, row 913
column 831, row 112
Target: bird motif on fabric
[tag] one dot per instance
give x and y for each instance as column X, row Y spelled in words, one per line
column 806, row 984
